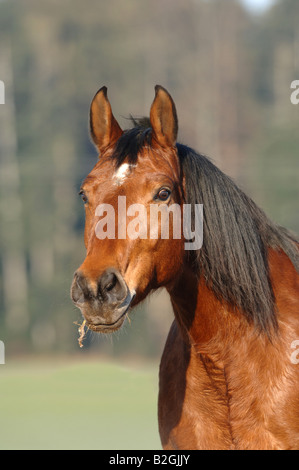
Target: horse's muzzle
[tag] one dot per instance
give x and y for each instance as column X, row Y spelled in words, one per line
column 103, row 302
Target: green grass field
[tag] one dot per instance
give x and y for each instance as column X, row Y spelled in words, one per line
column 84, row 404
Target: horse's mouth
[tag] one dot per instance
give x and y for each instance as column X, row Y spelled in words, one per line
column 108, row 327
column 122, row 310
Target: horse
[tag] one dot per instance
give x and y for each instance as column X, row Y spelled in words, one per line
column 227, row 380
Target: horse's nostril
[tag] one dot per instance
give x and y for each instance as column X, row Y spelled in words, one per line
column 112, row 286
column 77, row 293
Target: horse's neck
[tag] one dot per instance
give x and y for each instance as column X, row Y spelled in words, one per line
column 214, row 328
column 205, row 322
column 250, row 376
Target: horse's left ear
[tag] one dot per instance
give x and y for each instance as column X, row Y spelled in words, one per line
column 163, row 117
column 104, row 128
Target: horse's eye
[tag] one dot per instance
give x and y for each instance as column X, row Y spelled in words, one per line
column 163, row 194
column 83, row 196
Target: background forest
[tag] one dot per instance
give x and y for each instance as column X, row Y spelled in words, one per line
column 229, row 72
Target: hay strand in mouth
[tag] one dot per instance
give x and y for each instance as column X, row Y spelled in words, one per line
column 82, row 333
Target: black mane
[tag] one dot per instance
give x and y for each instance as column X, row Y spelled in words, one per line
column 132, row 142
column 237, row 234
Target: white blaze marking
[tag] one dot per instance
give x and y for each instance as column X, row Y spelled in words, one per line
column 122, row 173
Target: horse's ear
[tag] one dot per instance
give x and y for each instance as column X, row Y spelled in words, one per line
column 104, row 128
column 163, row 117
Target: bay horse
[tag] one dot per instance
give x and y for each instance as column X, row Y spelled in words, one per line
column 227, row 380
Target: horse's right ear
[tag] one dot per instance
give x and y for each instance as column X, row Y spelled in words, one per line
column 104, row 128
column 163, row 117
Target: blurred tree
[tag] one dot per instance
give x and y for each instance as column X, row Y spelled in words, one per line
column 273, row 164
column 13, row 254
